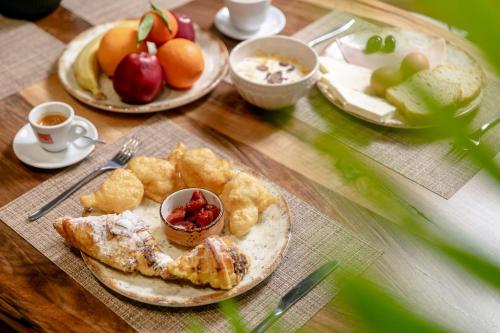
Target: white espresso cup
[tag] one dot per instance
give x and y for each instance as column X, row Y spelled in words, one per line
column 55, row 138
column 247, row 15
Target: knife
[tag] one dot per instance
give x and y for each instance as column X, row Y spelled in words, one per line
column 296, row 293
column 337, row 30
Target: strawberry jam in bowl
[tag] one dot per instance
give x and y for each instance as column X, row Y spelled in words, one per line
column 192, row 214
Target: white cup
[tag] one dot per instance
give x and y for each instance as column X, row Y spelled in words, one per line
column 247, row 15
column 55, row 138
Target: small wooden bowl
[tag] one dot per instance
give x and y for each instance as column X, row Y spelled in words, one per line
column 194, row 236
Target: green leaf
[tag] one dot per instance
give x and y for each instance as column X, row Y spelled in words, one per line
column 162, row 15
column 145, row 28
column 382, row 312
column 230, row 310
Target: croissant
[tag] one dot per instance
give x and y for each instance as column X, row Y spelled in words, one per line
column 122, row 241
column 217, row 262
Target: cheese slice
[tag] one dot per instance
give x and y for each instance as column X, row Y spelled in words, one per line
column 364, row 105
column 344, row 74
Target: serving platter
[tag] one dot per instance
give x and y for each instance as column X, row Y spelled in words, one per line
column 411, row 39
column 214, row 52
column 265, row 245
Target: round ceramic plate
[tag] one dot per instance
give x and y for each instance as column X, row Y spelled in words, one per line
column 265, row 245
column 216, row 65
column 410, row 39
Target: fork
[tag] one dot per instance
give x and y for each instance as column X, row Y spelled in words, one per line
column 119, row 160
column 457, row 153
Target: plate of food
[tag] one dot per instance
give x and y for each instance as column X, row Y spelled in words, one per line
column 159, row 62
column 390, row 77
column 183, row 230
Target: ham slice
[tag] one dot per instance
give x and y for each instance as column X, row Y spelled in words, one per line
column 435, row 53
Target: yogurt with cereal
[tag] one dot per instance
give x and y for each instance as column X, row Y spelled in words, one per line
column 271, row 68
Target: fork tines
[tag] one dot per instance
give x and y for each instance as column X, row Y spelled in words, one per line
column 128, row 150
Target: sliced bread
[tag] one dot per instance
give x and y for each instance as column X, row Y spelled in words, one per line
column 424, row 93
column 470, row 81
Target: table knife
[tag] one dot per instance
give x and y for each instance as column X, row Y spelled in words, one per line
column 296, row 293
column 333, row 33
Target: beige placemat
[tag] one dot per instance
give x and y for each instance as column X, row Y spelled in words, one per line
column 315, row 239
column 102, row 11
column 415, row 156
column 27, row 54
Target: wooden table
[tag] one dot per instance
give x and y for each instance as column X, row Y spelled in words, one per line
column 36, row 295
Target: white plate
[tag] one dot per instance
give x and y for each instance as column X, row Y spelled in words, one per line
column 216, row 65
column 265, row 245
column 275, row 22
column 28, row 150
column 454, row 56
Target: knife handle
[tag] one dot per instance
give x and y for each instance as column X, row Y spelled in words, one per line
column 266, row 323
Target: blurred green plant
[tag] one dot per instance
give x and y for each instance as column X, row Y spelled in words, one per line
column 378, row 310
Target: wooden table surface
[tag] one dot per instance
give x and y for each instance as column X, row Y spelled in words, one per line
column 36, row 295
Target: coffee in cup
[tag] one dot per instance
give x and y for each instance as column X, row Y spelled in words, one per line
column 54, row 125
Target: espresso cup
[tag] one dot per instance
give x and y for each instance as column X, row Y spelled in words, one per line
column 247, row 15
column 55, row 138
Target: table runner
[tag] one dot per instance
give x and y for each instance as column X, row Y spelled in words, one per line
column 315, row 239
column 413, row 155
column 103, row 11
column 28, row 54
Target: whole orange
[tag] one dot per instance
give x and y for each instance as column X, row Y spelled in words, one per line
column 115, row 45
column 159, row 33
column 182, row 62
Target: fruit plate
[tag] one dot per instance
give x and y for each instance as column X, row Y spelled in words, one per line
column 216, row 65
column 265, row 244
column 407, row 39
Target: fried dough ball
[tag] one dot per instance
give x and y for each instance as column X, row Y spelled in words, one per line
column 174, row 158
column 120, row 192
column 244, row 197
column 200, row 167
column 157, row 176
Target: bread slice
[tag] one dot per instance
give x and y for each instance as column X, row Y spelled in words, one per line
column 424, row 93
column 470, row 81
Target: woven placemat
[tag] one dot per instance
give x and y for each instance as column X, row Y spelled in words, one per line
column 416, row 156
column 28, row 54
column 315, row 240
column 103, row 11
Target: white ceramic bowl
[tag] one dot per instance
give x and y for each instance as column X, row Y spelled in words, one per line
column 194, row 236
column 274, row 96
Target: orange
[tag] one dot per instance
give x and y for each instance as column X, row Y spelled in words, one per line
column 182, row 62
column 159, row 33
column 115, row 45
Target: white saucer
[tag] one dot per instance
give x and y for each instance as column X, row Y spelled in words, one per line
column 28, row 150
column 275, row 22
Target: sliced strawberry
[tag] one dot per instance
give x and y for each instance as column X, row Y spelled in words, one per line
column 191, row 217
column 176, row 216
column 203, row 218
column 195, row 205
column 214, row 210
column 186, row 225
column 197, row 195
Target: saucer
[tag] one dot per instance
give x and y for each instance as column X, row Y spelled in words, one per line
column 28, row 150
column 275, row 22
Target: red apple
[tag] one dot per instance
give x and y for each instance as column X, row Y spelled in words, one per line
column 186, row 28
column 138, row 78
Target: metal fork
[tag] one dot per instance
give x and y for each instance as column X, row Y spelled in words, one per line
column 457, row 153
column 119, row 160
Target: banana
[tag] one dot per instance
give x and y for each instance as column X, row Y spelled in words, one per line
column 86, row 68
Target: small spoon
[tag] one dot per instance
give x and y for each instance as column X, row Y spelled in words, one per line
column 94, row 140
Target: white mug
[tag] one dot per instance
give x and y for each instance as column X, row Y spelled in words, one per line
column 56, row 137
column 247, row 15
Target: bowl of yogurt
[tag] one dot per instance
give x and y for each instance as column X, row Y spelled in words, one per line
column 273, row 72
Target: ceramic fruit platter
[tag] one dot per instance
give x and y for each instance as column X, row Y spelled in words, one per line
column 149, row 234
column 373, row 74
column 174, row 63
